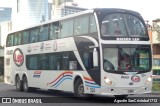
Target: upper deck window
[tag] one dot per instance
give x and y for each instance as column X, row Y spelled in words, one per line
column 34, row 35
column 118, row 24
column 10, row 40
column 81, row 25
column 135, row 26
column 17, row 39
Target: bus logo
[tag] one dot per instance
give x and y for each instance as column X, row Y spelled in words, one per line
column 135, row 78
column 55, row 46
column 18, row 57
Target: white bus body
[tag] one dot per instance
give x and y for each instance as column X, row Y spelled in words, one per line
column 77, row 62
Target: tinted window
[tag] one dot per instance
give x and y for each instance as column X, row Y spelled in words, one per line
column 43, row 33
column 136, row 28
column 93, row 26
column 113, row 25
column 87, row 59
column 53, row 61
column 118, row 24
column 32, row 62
column 66, row 28
column 25, row 37
column 44, row 62
column 81, row 25
column 10, row 40
column 34, row 35
column 65, row 61
column 54, row 28
column 17, row 39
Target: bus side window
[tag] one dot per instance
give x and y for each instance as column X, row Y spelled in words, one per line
column 17, row 39
column 54, row 61
column 34, row 35
column 54, row 31
column 81, row 25
column 93, row 26
column 44, row 62
column 43, row 33
column 25, row 37
column 10, row 40
column 87, row 58
column 65, row 61
column 66, row 28
column 32, row 62
column 73, row 62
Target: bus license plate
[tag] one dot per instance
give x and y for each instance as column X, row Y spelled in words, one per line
column 130, row 91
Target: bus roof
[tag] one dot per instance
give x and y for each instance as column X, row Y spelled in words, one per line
column 54, row 20
column 108, row 10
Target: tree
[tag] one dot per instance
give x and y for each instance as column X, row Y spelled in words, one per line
column 156, row 28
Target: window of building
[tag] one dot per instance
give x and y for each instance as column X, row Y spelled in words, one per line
column 17, row 39
column 43, row 33
column 34, row 35
column 66, row 28
column 10, row 40
column 156, row 62
column 81, row 25
column 25, row 37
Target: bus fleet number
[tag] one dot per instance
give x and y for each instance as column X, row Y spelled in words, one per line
column 92, row 90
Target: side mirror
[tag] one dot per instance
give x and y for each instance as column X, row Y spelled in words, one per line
column 95, row 57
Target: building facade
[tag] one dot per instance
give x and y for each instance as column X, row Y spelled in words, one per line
column 5, row 14
column 155, row 40
column 64, row 7
column 29, row 12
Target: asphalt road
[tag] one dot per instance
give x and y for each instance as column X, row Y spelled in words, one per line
column 10, row 91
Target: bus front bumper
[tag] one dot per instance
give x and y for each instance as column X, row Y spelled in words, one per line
column 125, row 90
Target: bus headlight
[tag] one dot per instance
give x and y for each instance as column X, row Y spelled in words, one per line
column 107, row 81
column 149, row 80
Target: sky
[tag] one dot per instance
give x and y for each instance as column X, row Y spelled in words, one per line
column 149, row 9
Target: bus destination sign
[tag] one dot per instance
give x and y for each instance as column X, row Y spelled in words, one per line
column 128, row 39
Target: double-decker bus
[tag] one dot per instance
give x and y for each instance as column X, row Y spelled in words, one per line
column 103, row 51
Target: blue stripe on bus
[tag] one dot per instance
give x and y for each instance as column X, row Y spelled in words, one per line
column 92, row 86
column 91, row 83
column 62, row 81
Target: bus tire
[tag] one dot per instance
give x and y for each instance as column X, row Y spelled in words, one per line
column 25, row 84
column 79, row 89
column 19, row 84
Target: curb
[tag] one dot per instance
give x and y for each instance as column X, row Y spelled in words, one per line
column 155, row 92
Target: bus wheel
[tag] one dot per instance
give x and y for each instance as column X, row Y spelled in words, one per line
column 79, row 89
column 19, row 84
column 25, row 84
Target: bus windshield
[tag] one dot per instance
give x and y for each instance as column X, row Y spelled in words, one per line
column 118, row 24
column 122, row 58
